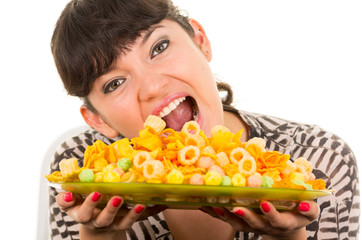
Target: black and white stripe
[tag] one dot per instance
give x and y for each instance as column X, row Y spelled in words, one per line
column 331, row 157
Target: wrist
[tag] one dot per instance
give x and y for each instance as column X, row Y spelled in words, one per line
column 95, row 234
column 298, row 234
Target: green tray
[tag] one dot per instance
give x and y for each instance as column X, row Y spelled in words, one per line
column 194, row 196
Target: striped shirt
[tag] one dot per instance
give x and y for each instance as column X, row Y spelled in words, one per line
column 332, row 160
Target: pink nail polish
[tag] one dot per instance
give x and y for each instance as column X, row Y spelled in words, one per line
column 96, row 196
column 303, row 206
column 116, row 202
column 219, row 211
column 139, row 209
column 68, row 197
column 239, row 212
column 265, row 206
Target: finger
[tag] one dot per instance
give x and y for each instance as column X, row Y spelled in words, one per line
column 289, row 220
column 309, row 209
column 133, row 215
column 86, row 210
column 65, row 200
column 106, row 217
column 251, row 221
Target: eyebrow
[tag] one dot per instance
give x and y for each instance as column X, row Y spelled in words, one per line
column 149, row 33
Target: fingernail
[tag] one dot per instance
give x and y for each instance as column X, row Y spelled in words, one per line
column 116, row 202
column 68, row 197
column 303, row 206
column 265, row 206
column 96, row 196
column 239, row 212
column 219, row 211
column 139, row 209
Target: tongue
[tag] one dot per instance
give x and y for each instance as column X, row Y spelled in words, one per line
column 178, row 117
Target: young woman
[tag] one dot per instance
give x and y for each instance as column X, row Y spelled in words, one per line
column 131, row 59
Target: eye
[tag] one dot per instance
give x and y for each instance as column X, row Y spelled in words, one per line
column 113, row 85
column 159, row 48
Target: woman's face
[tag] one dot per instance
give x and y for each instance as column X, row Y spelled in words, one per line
column 165, row 70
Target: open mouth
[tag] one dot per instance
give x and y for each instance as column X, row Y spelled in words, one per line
column 180, row 111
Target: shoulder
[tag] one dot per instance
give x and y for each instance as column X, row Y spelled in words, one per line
column 330, row 155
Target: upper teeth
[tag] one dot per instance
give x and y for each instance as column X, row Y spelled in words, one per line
column 171, row 106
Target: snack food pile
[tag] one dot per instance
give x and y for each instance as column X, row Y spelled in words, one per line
column 162, row 155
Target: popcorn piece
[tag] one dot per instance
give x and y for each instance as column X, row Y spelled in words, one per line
column 225, row 181
column 124, row 163
column 175, row 176
column 68, row 167
column 238, row 180
column 204, row 162
column 197, row 179
column 266, row 181
column 218, row 169
column 86, row 175
column 222, row 159
column 212, row 178
column 254, row 180
column 111, row 177
column 302, row 163
column 290, row 167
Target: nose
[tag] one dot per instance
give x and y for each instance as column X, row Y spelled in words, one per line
column 151, row 84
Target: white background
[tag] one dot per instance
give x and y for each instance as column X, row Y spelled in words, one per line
column 299, row 60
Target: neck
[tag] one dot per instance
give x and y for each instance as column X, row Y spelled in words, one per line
column 234, row 122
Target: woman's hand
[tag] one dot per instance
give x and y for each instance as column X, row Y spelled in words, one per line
column 112, row 220
column 271, row 223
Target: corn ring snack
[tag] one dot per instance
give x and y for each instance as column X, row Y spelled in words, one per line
column 190, row 128
column 153, row 169
column 140, row 158
column 259, row 142
column 237, row 154
column 188, row 155
column 217, row 129
column 247, row 166
column 195, row 140
column 156, row 123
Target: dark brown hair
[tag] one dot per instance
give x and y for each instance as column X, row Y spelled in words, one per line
column 90, row 34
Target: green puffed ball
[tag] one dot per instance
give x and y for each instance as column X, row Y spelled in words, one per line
column 225, row 181
column 266, row 181
column 86, row 175
column 124, row 163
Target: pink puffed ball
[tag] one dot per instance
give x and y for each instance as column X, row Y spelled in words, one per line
column 197, row 179
column 254, row 180
column 204, row 162
column 218, row 169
